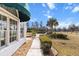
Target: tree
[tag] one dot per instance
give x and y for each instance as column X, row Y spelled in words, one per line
column 51, row 23
column 55, row 24
column 27, row 24
column 72, row 27
column 32, row 25
column 41, row 24
column 64, row 29
column 36, row 25
column 78, row 27
column 59, row 29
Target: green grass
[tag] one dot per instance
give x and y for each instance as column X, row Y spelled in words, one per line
column 67, row 47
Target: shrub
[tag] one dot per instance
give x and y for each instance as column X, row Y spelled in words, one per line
column 33, row 32
column 45, row 39
column 46, row 44
column 59, row 36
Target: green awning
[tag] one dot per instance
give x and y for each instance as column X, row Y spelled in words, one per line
column 24, row 14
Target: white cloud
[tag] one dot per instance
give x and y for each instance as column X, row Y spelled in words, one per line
column 43, row 4
column 66, row 23
column 51, row 5
column 47, row 14
column 77, row 24
column 76, row 9
column 68, row 7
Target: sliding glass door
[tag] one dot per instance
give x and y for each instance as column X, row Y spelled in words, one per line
column 21, row 29
column 13, row 30
column 3, row 28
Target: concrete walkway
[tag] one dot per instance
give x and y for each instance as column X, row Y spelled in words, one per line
column 35, row 48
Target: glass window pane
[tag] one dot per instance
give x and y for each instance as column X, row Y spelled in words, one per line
column 0, row 22
column 13, row 30
column 3, row 26
column 21, row 29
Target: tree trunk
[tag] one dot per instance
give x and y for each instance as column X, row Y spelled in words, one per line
column 52, row 29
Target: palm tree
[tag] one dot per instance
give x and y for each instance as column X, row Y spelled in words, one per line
column 52, row 22
column 55, row 24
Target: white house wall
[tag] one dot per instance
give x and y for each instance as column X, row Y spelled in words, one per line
column 9, row 50
column 12, row 47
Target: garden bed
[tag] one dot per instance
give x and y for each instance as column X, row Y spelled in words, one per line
column 22, row 51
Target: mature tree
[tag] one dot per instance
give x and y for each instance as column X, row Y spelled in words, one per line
column 36, row 25
column 32, row 25
column 78, row 27
column 59, row 29
column 64, row 29
column 72, row 27
column 55, row 24
column 51, row 23
column 41, row 24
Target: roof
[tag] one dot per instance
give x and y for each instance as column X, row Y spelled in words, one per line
column 24, row 14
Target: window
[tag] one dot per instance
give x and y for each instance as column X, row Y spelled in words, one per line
column 11, row 10
column 13, row 30
column 3, row 28
column 21, row 29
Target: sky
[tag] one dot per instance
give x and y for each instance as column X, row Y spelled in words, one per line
column 65, row 13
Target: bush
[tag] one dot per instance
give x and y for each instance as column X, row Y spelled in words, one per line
column 59, row 36
column 46, row 44
column 33, row 32
column 41, row 31
column 45, row 39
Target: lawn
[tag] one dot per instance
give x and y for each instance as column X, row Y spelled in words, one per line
column 67, row 47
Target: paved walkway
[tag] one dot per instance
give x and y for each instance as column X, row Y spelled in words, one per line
column 35, row 48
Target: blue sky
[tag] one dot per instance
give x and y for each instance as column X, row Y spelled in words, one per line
column 65, row 13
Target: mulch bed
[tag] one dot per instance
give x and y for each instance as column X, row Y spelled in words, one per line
column 22, row 51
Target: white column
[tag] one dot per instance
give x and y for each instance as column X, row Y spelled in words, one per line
column 18, row 30
column 24, row 29
column 8, row 32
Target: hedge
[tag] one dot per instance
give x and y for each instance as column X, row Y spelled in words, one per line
column 59, row 36
column 46, row 44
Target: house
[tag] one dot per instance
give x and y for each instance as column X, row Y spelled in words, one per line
column 13, row 17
